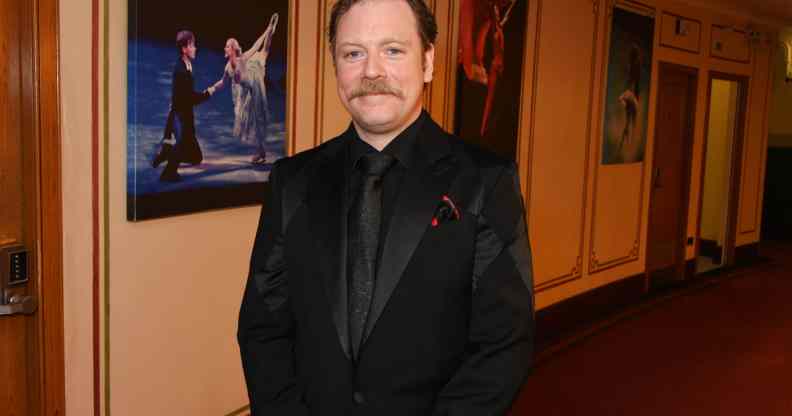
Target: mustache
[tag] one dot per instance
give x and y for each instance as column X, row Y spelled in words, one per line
column 374, row 87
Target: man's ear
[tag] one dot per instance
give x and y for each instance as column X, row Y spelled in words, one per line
column 428, row 63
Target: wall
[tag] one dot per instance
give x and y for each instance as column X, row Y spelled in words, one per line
column 75, row 70
column 720, row 134
column 169, row 289
column 588, row 221
column 781, row 108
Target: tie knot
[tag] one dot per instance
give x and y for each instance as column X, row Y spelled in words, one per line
column 375, row 163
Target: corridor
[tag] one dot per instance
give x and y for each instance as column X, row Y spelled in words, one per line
column 720, row 346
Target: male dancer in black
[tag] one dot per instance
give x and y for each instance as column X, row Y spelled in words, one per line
column 180, row 143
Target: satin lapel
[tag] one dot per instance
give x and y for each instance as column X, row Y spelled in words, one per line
column 326, row 199
column 421, row 192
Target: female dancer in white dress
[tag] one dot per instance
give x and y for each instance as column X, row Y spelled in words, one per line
column 245, row 72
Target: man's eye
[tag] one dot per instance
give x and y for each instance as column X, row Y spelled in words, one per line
column 394, row 51
column 353, row 54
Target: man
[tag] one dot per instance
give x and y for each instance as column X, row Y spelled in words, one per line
column 184, row 146
column 391, row 273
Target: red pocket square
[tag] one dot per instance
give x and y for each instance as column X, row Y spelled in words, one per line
column 446, row 211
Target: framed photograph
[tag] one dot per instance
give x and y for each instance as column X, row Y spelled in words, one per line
column 489, row 73
column 206, row 104
column 627, row 89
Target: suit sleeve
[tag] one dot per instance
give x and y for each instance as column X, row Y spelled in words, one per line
column 501, row 331
column 266, row 324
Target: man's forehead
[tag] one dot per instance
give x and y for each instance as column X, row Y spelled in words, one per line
column 378, row 20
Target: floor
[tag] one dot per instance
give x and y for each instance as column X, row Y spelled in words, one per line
column 720, row 346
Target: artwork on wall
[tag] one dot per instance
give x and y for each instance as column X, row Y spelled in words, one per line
column 489, row 73
column 204, row 124
column 627, row 89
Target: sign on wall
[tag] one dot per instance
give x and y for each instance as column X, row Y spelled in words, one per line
column 627, row 89
column 206, row 103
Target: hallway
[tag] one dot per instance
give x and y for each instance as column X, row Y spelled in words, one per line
column 720, row 346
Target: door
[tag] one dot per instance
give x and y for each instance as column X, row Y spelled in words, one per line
column 18, row 207
column 720, row 177
column 670, row 184
column 31, row 371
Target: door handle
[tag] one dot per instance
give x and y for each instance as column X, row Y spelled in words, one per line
column 19, row 305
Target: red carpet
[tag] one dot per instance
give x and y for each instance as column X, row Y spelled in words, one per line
column 722, row 346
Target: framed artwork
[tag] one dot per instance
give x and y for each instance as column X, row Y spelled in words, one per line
column 489, row 73
column 206, row 103
column 627, row 89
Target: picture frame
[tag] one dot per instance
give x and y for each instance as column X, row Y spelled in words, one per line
column 239, row 109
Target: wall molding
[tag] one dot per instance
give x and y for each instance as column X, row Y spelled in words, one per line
column 576, row 270
column 597, row 265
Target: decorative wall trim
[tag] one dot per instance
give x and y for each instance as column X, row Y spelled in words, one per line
column 734, row 29
column 321, row 58
column 532, row 127
column 576, row 271
column 95, row 221
column 596, row 264
column 291, row 77
column 663, row 16
column 762, row 153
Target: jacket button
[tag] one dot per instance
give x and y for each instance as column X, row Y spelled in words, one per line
column 358, row 397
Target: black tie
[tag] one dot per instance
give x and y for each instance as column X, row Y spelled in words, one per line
column 365, row 217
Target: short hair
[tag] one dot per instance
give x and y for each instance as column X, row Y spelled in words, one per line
column 427, row 25
column 183, row 38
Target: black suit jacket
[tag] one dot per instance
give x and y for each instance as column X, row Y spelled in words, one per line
column 450, row 330
column 181, row 117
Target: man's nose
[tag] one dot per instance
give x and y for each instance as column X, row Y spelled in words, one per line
column 374, row 67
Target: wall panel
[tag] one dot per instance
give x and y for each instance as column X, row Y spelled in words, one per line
column 755, row 146
column 561, row 138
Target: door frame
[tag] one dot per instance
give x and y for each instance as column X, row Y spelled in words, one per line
column 48, row 381
column 730, row 236
column 679, row 263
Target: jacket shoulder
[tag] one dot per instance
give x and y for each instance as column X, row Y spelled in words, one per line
column 486, row 163
column 294, row 166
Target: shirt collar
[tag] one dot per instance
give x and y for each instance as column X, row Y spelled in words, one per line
column 401, row 147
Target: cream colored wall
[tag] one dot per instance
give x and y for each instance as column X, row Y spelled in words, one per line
column 720, row 133
column 75, row 72
column 173, row 285
column 588, row 221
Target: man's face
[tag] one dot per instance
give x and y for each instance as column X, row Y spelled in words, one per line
column 380, row 65
column 189, row 51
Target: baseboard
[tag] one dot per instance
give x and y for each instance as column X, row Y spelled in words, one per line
column 557, row 322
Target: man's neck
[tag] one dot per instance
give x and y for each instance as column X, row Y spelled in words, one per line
column 187, row 61
column 380, row 141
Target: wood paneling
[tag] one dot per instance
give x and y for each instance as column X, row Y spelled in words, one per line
column 680, row 32
column 50, row 322
column 730, row 44
column 755, row 145
column 333, row 118
column 560, row 139
column 618, row 197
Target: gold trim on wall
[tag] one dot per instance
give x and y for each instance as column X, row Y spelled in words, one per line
column 321, row 58
column 292, row 47
column 576, row 271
